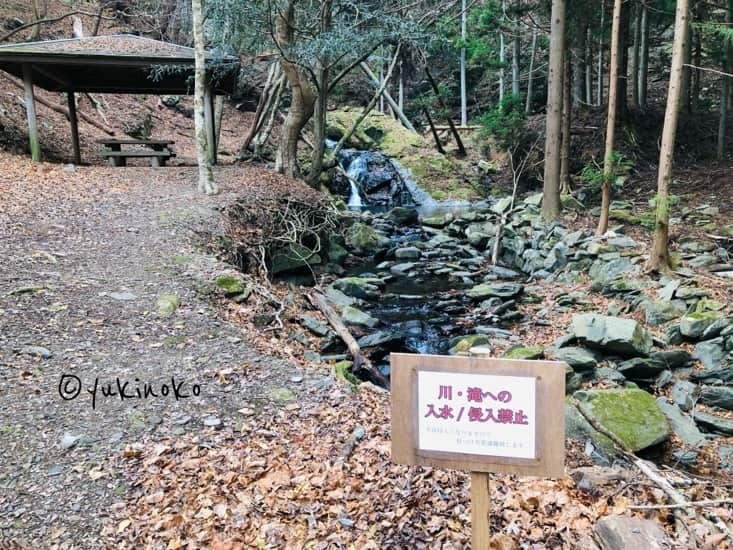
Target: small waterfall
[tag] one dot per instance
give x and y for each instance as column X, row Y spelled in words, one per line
column 355, row 198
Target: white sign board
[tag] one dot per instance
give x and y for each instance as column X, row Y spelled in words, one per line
column 477, row 414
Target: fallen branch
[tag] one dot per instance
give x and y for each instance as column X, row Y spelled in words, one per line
column 361, row 363
column 356, row 436
column 63, row 110
column 696, row 504
column 39, row 22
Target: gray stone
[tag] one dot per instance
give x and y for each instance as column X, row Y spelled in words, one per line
column 402, row 215
column 693, row 325
column 36, row 351
column 688, row 458
column 437, row 221
column 498, row 290
column 715, row 375
column 668, row 290
column 379, row 338
column 68, row 441
column 579, row 429
column 725, row 457
column 293, row 258
column 641, row 368
column 357, row 287
column 337, row 253
column 611, row 334
column 407, row 253
column 682, row 425
column 714, row 422
column 662, row 311
column 212, row 422
column 402, row 269
column 319, row 328
column 632, row 415
column 55, row 470
column 717, row 396
column 580, row 359
column 710, row 353
column 622, row 242
column 672, row 358
column 602, row 272
column 626, row 533
column 607, row 374
column 354, row 316
column 339, row 298
column 697, row 247
column 684, row 394
column 312, row 356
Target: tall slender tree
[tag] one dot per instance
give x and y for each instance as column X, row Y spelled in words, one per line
column 613, row 94
column 464, row 95
column 551, row 190
column 206, row 175
column 659, row 256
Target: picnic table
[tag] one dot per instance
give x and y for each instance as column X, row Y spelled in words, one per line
column 158, row 150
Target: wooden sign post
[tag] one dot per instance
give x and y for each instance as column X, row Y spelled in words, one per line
column 482, row 415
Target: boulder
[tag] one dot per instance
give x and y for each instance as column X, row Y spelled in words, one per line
column 293, row 258
column 632, row 415
column 580, row 359
column 717, row 396
column 354, row 316
column 672, row 358
column 438, row 221
column 407, row 253
column 641, row 368
column 319, row 328
column 402, row 215
column 714, row 422
column 524, row 352
column 625, row 533
column 659, row 312
column 578, row 428
column 694, row 324
column 611, row 334
column 380, row 338
column 365, row 238
column 356, row 287
column 337, row 253
column 682, row 425
column 684, row 394
column 495, row 290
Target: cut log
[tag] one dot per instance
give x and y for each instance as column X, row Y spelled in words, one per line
column 361, row 364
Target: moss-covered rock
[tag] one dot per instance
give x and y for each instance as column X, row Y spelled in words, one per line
column 611, row 334
column 524, row 352
column 292, row 258
column 229, row 284
column 364, row 238
column 342, row 370
column 632, row 415
column 465, row 343
column 694, row 324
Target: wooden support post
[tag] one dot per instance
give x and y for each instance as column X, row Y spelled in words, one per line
column 209, row 123
column 480, row 508
column 74, row 127
column 30, row 110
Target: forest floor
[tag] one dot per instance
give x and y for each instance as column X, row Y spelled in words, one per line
column 272, row 453
column 89, row 258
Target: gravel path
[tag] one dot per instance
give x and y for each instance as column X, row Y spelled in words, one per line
column 79, row 285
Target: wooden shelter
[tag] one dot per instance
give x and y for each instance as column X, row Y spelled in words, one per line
column 119, row 64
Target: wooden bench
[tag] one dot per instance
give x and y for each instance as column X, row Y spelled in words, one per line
column 156, row 149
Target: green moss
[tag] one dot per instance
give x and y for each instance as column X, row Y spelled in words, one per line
column 342, row 369
column 438, row 194
column 525, row 352
column 464, row 344
column 625, row 217
column 229, row 284
column 630, row 414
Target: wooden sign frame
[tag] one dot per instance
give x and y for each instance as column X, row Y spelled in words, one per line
column 549, row 458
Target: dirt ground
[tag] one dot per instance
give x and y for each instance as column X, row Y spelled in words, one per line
column 86, row 256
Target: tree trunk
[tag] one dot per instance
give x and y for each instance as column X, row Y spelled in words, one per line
column 551, row 188
column 302, row 102
column 567, row 102
column 599, row 95
column 588, row 68
column 623, row 62
column 659, row 256
column 643, row 56
column 725, row 87
column 206, row 176
column 502, row 56
column 321, row 105
column 577, row 69
column 36, row 32
column 515, row 63
column 613, row 95
column 686, row 72
column 530, row 76
column 635, row 57
column 697, row 62
column 456, row 135
column 464, row 96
